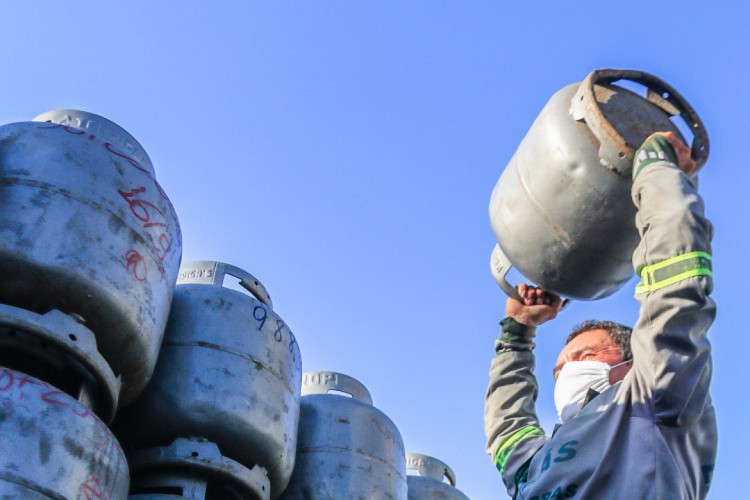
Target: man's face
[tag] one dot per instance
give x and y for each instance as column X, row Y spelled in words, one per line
column 594, row 345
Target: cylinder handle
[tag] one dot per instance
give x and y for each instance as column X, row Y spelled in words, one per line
column 430, row 467
column 614, row 151
column 210, row 272
column 500, row 265
column 322, row 382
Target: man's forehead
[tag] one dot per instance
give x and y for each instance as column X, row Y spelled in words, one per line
column 589, row 338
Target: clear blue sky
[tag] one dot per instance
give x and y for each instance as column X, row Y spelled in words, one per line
column 344, row 152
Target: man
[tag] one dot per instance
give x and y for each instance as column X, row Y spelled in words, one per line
column 640, row 427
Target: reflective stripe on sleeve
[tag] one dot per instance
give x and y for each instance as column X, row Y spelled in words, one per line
column 511, row 442
column 674, row 270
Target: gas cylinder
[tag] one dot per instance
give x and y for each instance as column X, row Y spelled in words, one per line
column 561, row 210
column 58, row 349
column 87, row 230
column 229, row 371
column 194, row 468
column 53, row 446
column 430, row 481
column 346, row 447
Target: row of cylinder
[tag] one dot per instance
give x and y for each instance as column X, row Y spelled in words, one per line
column 124, row 374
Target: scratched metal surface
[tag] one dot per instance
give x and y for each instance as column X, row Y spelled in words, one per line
column 578, row 245
column 346, row 447
column 86, row 229
column 53, row 446
column 229, row 371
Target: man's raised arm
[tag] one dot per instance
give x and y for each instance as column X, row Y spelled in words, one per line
column 672, row 356
column 510, row 421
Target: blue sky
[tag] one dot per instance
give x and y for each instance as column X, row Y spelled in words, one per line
column 345, row 152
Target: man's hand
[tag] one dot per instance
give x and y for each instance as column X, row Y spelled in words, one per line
column 684, row 159
column 538, row 306
column 663, row 146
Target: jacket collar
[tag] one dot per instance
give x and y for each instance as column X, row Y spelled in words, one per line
column 591, row 394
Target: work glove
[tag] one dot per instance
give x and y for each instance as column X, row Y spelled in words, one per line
column 655, row 148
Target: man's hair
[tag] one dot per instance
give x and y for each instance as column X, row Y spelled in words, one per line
column 620, row 334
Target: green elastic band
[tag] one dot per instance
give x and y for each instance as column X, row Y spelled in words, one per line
column 674, row 270
column 511, row 442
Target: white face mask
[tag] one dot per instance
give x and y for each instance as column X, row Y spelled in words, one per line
column 575, row 380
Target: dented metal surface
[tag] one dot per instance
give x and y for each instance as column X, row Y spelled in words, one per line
column 229, row 371
column 429, row 482
column 561, row 210
column 346, row 447
column 53, row 446
column 194, row 468
column 86, row 229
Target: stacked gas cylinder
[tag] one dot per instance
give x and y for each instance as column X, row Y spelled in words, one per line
column 219, row 417
column 103, row 334
column 90, row 249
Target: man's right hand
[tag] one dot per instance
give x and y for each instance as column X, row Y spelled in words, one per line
column 537, row 307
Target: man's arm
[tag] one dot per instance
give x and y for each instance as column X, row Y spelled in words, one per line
column 672, row 356
column 511, row 425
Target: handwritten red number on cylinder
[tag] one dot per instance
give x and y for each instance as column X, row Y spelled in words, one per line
column 92, row 489
column 6, row 379
column 73, row 131
column 76, row 407
column 109, row 147
column 67, row 128
column 162, row 249
column 136, row 264
column 140, row 207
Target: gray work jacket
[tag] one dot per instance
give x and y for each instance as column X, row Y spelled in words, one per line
column 653, row 435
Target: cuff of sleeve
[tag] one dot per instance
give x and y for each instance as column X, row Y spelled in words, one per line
column 514, row 332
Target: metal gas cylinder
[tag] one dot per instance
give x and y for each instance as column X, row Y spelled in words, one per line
column 346, row 447
column 86, row 229
column 561, row 210
column 53, row 446
column 229, row 371
column 59, row 350
column 430, row 483
column 194, row 468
